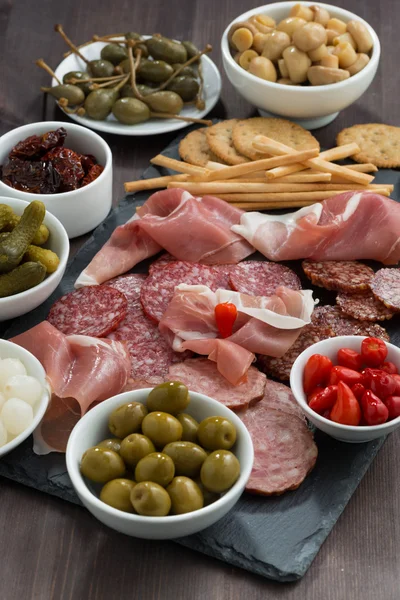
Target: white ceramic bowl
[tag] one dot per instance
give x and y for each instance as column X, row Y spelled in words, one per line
column 212, row 91
column 344, row 433
column 80, row 210
column 310, row 106
column 20, row 304
column 92, row 428
column 34, row 368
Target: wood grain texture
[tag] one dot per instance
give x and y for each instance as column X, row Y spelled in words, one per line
column 53, row 550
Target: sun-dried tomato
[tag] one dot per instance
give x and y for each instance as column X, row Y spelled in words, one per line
column 32, row 176
column 93, row 174
column 34, row 146
column 88, row 161
column 67, row 164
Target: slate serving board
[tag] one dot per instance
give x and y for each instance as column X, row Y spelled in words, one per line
column 276, row 537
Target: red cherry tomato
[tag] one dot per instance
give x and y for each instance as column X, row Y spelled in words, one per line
column 349, row 376
column 225, row 317
column 389, row 367
column 316, row 372
column 349, row 358
column 393, row 406
column 373, row 351
column 397, row 380
column 346, row 409
column 358, row 389
column 374, row 410
column 324, row 399
column 379, row 382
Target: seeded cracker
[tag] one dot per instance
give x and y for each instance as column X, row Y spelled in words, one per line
column 280, row 130
column 194, row 148
column 219, row 138
column 379, row 144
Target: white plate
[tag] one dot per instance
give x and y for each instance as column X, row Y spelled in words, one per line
column 212, row 90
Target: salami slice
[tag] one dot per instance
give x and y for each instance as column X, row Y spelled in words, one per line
column 95, row 311
column 280, row 397
column 151, row 360
column 280, row 367
column 284, row 449
column 201, row 375
column 130, row 285
column 364, row 307
column 136, row 328
column 158, row 289
column 260, row 278
column 340, row 275
column 161, row 262
column 332, row 316
column 386, row 287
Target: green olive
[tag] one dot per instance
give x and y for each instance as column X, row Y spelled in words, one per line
column 111, row 443
column 101, row 68
column 117, row 493
column 161, row 428
column 154, row 70
column 187, row 457
column 216, row 433
column 98, row 104
column 162, row 48
column 191, row 49
column 189, row 427
column 171, row 397
column 186, row 71
column 185, row 495
column 219, row 471
column 102, row 465
column 186, row 87
column 114, row 53
column 72, row 93
column 150, row 499
column 209, row 497
column 165, row 101
column 157, row 467
column 134, row 447
column 126, row 419
column 130, row 111
column 73, row 75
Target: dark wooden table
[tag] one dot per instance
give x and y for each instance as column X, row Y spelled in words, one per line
column 53, row 550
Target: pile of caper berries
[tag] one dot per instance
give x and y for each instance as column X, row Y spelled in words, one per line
column 161, row 460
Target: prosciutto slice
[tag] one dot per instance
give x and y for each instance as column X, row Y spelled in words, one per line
column 265, row 325
column 189, row 228
column 77, row 366
column 350, row 226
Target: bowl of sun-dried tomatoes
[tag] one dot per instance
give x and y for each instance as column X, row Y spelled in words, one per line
column 66, row 166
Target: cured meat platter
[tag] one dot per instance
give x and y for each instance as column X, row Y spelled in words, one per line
column 276, row 537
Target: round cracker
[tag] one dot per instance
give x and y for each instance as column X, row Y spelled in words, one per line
column 219, row 139
column 280, row 130
column 194, row 148
column 379, row 144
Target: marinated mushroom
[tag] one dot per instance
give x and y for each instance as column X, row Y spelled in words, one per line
column 318, row 53
column 361, row 36
column 263, row 67
column 283, row 68
column 263, row 23
column 346, row 55
column 259, row 42
column 297, row 63
column 290, row 25
column 309, row 37
column 242, row 39
column 337, row 25
column 275, row 44
column 240, row 25
column 330, row 60
column 357, row 66
column 318, row 75
column 320, row 15
column 246, row 57
column 299, row 10
column 345, row 37
column 286, row 81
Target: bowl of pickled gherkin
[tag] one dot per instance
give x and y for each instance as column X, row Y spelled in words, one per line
column 174, row 83
column 159, row 463
column 34, row 250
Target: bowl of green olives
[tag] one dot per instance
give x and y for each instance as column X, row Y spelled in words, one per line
column 116, row 109
column 159, row 463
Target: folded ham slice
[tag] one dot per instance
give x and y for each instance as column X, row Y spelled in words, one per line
column 350, row 226
column 78, row 366
column 265, row 325
column 191, row 229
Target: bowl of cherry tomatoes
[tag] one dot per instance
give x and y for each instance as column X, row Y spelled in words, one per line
column 349, row 387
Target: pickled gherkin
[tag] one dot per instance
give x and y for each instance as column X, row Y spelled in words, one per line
column 21, row 278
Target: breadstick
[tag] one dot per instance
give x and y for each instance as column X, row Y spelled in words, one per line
column 320, row 164
column 263, row 143
column 152, row 184
column 177, row 165
column 256, row 206
column 239, row 187
column 257, row 165
column 304, row 177
column 288, row 196
column 214, row 166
